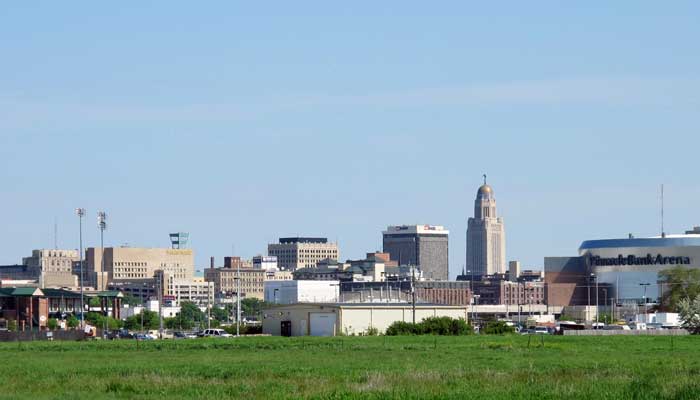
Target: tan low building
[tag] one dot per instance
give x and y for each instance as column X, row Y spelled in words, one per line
column 348, row 319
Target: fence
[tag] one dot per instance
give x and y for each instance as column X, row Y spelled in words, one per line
column 648, row 332
column 7, row 336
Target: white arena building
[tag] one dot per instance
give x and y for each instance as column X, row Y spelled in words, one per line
column 632, row 265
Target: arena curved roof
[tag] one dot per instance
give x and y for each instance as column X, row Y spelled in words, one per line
column 668, row 241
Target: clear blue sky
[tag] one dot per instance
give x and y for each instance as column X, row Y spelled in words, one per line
column 241, row 123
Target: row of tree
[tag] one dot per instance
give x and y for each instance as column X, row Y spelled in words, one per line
column 189, row 317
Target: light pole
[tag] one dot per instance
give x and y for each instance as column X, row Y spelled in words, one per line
column 476, row 300
column 605, row 299
column 81, row 213
column 597, row 308
column 590, row 279
column 645, row 298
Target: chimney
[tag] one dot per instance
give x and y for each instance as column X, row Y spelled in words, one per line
column 211, row 262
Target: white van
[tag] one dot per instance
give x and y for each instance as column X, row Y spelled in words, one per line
column 215, row 333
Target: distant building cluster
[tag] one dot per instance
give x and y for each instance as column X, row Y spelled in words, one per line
column 306, row 276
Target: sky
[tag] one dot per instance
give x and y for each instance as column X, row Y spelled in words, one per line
column 243, row 122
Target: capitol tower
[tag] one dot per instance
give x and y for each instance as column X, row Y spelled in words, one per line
column 486, row 236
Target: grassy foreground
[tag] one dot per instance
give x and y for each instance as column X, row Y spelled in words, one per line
column 478, row 367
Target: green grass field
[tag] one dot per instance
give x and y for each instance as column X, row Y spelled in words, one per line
column 478, row 367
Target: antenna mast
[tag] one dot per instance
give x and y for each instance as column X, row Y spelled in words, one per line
column 663, row 233
column 55, row 234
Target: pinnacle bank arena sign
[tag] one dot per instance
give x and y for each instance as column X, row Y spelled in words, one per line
column 597, row 261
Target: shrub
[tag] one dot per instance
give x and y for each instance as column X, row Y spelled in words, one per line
column 245, row 329
column 72, row 321
column 52, row 324
column 444, row 326
column 498, row 328
column 401, row 328
column 12, row 325
column 372, row 331
column 253, row 329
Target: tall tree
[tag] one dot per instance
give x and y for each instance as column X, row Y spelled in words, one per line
column 689, row 311
column 678, row 283
column 190, row 314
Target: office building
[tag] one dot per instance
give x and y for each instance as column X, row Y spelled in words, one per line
column 486, row 236
column 265, row 262
column 131, row 264
column 503, row 292
column 50, row 268
column 425, row 246
column 178, row 290
column 302, row 252
column 252, row 280
column 453, row 293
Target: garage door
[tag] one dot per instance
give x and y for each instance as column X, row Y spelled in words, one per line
column 322, row 324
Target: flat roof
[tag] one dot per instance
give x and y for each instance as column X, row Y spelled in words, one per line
column 416, row 230
column 668, row 241
column 368, row 305
column 298, row 239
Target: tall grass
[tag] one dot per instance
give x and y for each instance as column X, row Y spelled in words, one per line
column 470, row 367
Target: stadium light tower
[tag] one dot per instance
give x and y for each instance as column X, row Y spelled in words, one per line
column 102, row 225
column 80, row 212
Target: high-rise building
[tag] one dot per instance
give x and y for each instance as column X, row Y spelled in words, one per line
column 486, row 236
column 425, row 246
column 302, row 252
column 513, row 271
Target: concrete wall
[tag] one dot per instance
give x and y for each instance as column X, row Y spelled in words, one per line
column 357, row 320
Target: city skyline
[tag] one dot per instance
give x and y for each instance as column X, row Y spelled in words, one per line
column 241, row 125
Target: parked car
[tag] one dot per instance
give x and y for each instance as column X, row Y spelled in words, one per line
column 215, row 333
column 124, row 334
column 143, row 336
column 541, row 330
column 616, row 328
column 184, row 335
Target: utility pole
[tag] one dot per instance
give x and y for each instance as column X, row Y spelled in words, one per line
column 238, row 301
column 413, row 292
column 597, row 307
column 143, row 305
column 81, row 213
column 160, row 312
